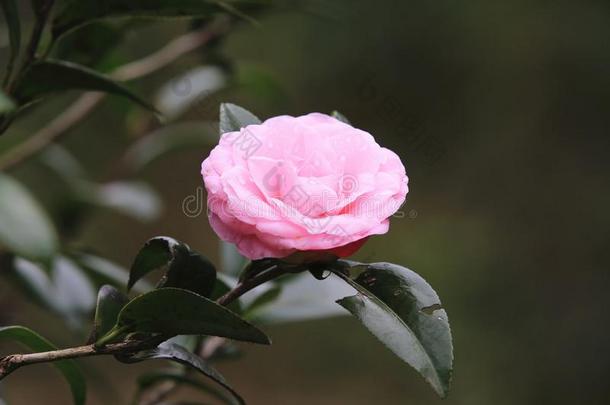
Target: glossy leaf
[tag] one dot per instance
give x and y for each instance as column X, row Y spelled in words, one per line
column 173, row 311
column 157, row 254
column 152, row 378
column 177, row 353
column 11, row 14
column 24, row 226
column 401, row 309
column 234, row 117
column 110, row 301
column 55, row 75
column 37, row 343
column 337, row 115
column 182, row 267
column 196, row 274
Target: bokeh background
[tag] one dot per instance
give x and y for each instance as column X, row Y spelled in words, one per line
column 500, row 111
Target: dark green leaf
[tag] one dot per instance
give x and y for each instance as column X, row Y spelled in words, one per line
column 37, row 343
column 148, row 380
column 196, row 274
column 157, row 254
column 110, row 301
column 11, row 14
column 404, row 312
column 337, row 115
column 177, row 353
column 6, row 104
column 55, row 75
column 24, row 226
column 182, row 267
column 233, row 118
column 173, row 311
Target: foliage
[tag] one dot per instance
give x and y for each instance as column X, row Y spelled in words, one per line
column 193, row 312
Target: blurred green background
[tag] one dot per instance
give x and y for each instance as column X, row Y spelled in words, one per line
column 500, row 112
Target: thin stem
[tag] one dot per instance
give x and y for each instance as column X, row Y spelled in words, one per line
column 249, row 284
column 12, row 362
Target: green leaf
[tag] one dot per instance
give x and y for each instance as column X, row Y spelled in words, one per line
column 6, row 103
column 183, row 268
column 37, row 343
column 401, row 309
column 177, row 353
column 197, row 274
column 152, row 378
column 233, row 118
column 78, row 13
column 24, row 226
column 11, row 14
column 110, row 301
column 54, row 75
column 173, row 311
column 157, row 254
column 337, row 115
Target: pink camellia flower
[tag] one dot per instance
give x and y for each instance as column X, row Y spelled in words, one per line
column 301, row 184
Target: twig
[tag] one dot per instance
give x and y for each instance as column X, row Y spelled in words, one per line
column 12, row 362
column 78, row 110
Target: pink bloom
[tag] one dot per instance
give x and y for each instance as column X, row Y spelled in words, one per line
column 309, row 183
